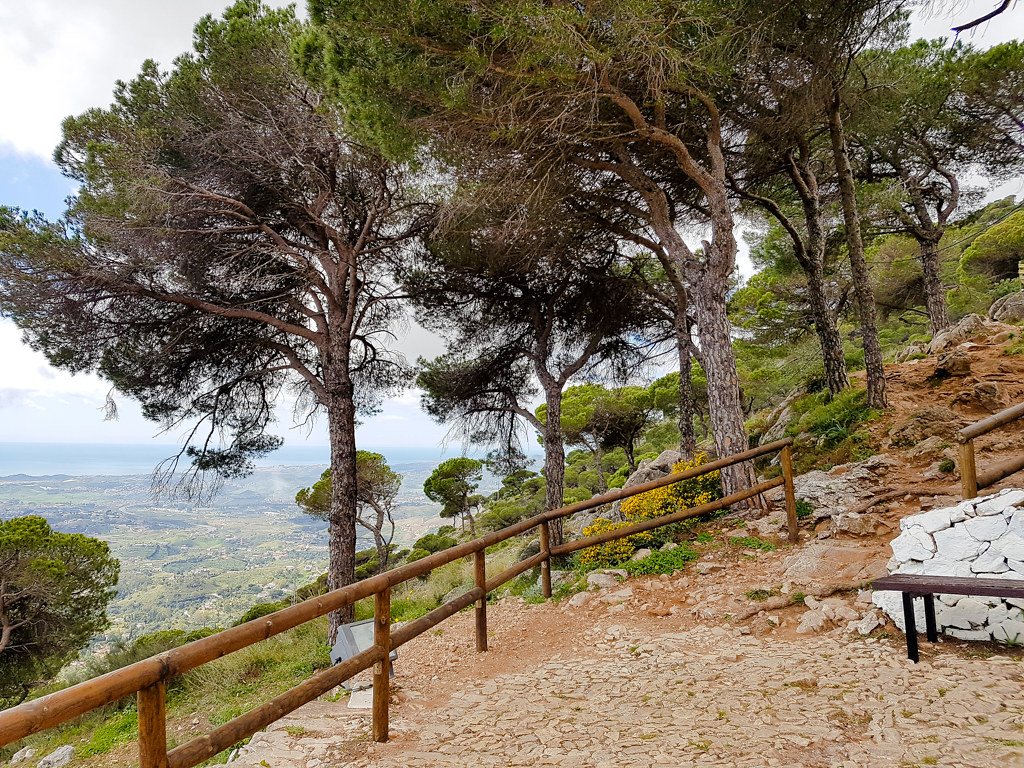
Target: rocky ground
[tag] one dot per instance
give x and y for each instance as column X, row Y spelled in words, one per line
column 649, row 679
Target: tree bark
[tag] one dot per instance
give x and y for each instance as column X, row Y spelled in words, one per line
column 832, row 355
column 687, row 433
column 341, row 418
column 858, row 264
column 719, row 361
column 554, row 457
column 934, row 291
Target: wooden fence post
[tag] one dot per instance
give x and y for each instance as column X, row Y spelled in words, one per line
column 968, row 470
column 545, row 564
column 382, row 669
column 786, row 459
column 480, row 581
column 152, row 705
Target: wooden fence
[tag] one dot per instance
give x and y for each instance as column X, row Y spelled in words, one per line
column 970, row 479
column 147, row 678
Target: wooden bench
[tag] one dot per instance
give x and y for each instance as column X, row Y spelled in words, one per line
column 928, row 586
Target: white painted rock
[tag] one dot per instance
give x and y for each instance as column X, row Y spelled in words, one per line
column 913, row 544
column 986, row 528
column 1009, row 632
column 955, row 544
column 931, row 521
column 975, row 538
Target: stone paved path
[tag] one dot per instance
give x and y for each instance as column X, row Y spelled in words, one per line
column 635, row 697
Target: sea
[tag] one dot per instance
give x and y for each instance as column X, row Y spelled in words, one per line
column 43, row 459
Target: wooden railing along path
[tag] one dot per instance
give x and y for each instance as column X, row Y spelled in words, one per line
column 148, row 678
column 970, row 479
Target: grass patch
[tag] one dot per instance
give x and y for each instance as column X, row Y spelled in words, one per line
column 760, row 595
column 752, row 542
column 669, row 561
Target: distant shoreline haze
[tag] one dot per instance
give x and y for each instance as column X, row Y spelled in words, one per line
column 44, row 459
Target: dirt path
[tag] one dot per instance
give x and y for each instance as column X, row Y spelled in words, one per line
column 609, row 685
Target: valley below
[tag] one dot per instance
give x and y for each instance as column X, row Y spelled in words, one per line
column 187, row 566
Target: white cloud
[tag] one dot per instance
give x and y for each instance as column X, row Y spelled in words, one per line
column 61, row 57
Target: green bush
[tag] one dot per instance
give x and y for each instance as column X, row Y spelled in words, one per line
column 434, row 542
column 752, row 542
column 260, row 610
column 668, row 561
column 804, row 509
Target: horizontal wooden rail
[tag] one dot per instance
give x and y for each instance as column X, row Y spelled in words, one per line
column 996, row 420
column 148, row 677
column 970, row 479
column 657, row 522
column 244, row 726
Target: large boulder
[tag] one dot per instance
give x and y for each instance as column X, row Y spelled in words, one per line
column 970, row 328
column 58, row 758
column 1008, row 309
column 954, row 362
column 777, row 421
column 823, row 566
column 929, row 421
column 985, row 394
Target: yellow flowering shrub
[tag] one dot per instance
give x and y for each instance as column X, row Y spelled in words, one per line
column 647, row 506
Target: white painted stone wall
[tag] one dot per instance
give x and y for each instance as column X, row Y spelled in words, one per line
column 981, row 537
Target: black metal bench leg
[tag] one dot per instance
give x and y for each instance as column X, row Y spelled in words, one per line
column 929, row 618
column 911, row 626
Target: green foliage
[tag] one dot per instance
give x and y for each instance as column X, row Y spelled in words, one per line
column 262, row 609
column 804, row 509
column 947, row 465
column 452, row 483
column 54, row 591
column 752, row 542
column 434, row 542
column 997, row 251
column 119, row 729
column 833, row 419
column 760, row 595
column 667, row 561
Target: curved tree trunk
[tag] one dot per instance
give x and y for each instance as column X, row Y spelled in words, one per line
column 341, row 566
column 858, row 264
column 934, row 292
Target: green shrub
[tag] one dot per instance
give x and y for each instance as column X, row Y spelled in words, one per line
column 667, row 561
column 804, row 509
column 947, row 465
column 752, row 542
column 434, row 542
column 260, row 610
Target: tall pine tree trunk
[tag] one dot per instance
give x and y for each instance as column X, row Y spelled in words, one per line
column 341, row 420
column 719, row 362
column 554, row 456
column 836, row 377
column 687, row 434
column 934, row 292
column 858, row 264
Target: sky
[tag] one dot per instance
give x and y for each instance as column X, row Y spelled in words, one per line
column 61, row 57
